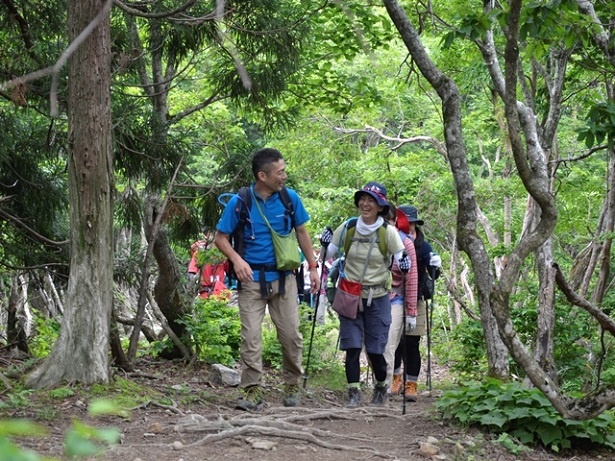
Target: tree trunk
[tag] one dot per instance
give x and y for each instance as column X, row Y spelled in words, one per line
column 170, row 291
column 468, row 211
column 16, row 329
column 81, row 353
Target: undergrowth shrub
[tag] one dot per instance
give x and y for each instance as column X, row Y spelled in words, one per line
column 215, row 330
column 525, row 414
column 463, row 351
column 47, row 331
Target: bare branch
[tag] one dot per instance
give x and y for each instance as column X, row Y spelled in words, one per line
column 31, row 231
column 54, row 70
column 166, row 14
column 397, row 139
column 603, row 319
column 593, row 150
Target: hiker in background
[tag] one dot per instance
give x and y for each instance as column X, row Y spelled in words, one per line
column 260, row 283
column 427, row 260
column 212, row 272
column 365, row 263
column 402, row 297
column 311, row 298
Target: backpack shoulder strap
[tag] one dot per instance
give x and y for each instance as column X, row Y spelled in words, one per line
column 382, row 239
column 348, row 232
column 382, row 236
column 288, row 204
column 245, row 205
column 243, row 208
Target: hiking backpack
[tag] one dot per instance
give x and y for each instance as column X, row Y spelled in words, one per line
column 243, row 209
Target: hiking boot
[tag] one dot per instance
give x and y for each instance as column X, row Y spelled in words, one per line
column 379, row 397
column 410, row 394
column 354, row 397
column 397, row 384
column 251, row 399
column 292, row 395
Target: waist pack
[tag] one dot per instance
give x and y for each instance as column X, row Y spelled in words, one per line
column 347, row 298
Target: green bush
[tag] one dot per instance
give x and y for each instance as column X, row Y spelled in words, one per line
column 47, row 331
column 464, row 350
column 215, row 330
column 525, row 414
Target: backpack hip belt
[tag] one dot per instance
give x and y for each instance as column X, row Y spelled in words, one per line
column 264, row 286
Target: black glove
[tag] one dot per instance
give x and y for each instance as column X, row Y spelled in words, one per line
column 326, row 237
column 404, row 263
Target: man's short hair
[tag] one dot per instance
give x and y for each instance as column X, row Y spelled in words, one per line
column 262, row 160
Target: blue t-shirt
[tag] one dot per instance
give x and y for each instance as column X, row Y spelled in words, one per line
column 256, row 235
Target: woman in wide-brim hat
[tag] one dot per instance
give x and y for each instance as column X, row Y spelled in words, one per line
column 364, row 256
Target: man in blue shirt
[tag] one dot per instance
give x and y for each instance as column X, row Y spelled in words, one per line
column 261, row 285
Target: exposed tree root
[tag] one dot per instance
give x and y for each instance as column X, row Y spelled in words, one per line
column 281, row 424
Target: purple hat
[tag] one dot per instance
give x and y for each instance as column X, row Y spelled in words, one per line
column 411, row 213
column 376, row 190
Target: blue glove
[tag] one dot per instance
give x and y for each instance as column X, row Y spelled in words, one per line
column 435, row 260
column 326, row 237
column 410, row 323
column 404, row 263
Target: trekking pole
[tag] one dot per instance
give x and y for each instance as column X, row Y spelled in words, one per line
column 403, row 335
column 323, row 255
column 427, row 308
column 429, row 315
column 403, row 345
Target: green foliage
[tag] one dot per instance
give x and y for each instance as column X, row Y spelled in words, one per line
column 18, row 427
column 600, row 125
column 47, row 331
column 525, row 414
column 473, row 26
column 86, row 440
column 80, row 441
column 511, row 444
column 17, row 398
column 210, row 255
column 464, row 350
column 61, row 393
column 215, row 330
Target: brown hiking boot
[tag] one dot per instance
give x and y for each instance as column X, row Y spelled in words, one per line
column 397, row 384
column 410, row 394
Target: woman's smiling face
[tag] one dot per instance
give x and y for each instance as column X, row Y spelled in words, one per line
column 369, row 208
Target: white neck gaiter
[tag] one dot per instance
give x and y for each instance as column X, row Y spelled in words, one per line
column 366, row 229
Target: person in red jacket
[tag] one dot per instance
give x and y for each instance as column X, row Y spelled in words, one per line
column 213, row 273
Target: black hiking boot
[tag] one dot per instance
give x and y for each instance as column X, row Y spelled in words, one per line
column 379, row 397
column 354, row 397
